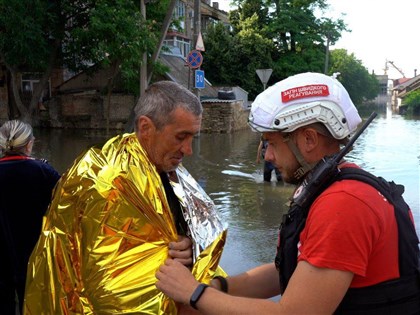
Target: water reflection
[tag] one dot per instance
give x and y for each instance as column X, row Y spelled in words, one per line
column 62, row 146
column 224, row 164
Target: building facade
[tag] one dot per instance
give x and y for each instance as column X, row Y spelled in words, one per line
column 180, row 41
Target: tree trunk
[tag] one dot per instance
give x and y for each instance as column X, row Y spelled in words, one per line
column 16, row 80
column 115, row 66
column 43, row 82
column 29, row 113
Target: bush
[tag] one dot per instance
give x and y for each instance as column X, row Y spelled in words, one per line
column 412, row 101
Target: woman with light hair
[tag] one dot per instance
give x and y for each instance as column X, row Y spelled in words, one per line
column 26, row 186
column 16, row 138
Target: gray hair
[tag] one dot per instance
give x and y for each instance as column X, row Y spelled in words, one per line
column 14, row 136
column 162, row 98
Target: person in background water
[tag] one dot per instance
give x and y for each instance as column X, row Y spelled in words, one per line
column 268, row 166
column 26, row 186
column 344, row 257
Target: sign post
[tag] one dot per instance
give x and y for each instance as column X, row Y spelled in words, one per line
column 199, row 79
column 194, row 61
column 264, row 75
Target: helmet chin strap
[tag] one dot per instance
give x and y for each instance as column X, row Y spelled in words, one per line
column 305, row 167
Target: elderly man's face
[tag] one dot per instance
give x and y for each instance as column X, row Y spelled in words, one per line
column 167, row 147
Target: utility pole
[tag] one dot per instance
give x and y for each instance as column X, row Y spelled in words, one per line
column 164, row 30
column 143, row 66
column 129, row 127
column 197, row 30
column 327, row 54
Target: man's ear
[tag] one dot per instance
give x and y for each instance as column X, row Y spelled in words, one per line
column 145, row 125
column 310, row 139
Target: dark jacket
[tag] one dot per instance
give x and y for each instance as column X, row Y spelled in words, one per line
column 26, row 185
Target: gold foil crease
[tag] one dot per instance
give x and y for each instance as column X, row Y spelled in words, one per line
column 107, row 232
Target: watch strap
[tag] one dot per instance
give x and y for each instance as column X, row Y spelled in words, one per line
column 198, row 292
column 223, row 283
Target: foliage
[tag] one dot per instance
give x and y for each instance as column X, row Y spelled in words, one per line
column 412, row 101
column 120, row 36
column 252, row 51
column 22, row 25
column 232, row 60
column 38, row 35
column 218, row 55
column 284, row 35
column 246, row 9
column 360, row 84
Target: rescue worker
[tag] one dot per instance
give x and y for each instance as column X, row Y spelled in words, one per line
column 345, row 258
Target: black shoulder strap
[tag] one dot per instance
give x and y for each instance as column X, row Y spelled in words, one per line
column 379, row 183
column 409, row 254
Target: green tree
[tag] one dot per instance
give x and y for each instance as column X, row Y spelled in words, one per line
column 284, row 35
column 120, row 35
column 412, row 101
column 252, row 51
column 245, row 10
column 218, row 60
column 233, row 59
column 361, row 85
column 29, row 42
column 300, row 37
column 38, row 35
column 331, row 31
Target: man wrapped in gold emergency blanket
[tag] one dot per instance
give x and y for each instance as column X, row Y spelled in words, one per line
column 107, row 231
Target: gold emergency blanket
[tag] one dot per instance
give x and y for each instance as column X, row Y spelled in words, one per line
column 107, row 232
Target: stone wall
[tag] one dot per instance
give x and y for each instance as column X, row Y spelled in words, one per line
column 88, row 110
column 223, row 116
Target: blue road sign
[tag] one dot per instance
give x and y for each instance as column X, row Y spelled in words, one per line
column 194, row 59
column 199, row 79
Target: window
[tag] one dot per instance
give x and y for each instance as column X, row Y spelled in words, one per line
column 30, row 81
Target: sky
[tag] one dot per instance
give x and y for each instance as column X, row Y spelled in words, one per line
column 381, row 30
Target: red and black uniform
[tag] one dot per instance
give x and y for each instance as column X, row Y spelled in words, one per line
column 351, row 226
column 26, row 186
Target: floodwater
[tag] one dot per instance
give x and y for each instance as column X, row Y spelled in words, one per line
column 224, row 164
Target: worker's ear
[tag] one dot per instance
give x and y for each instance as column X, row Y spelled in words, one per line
column 309, row 139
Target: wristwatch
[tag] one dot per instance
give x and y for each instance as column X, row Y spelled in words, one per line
column 197, row 294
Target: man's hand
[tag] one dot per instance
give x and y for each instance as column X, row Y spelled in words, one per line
column 182, row 250
column 176, row 281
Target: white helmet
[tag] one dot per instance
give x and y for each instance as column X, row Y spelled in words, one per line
column 304, row 99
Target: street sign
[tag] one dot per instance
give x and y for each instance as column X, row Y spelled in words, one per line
column 194, row 59
column 200, row 44
column 264, row 75
column 199, row 79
